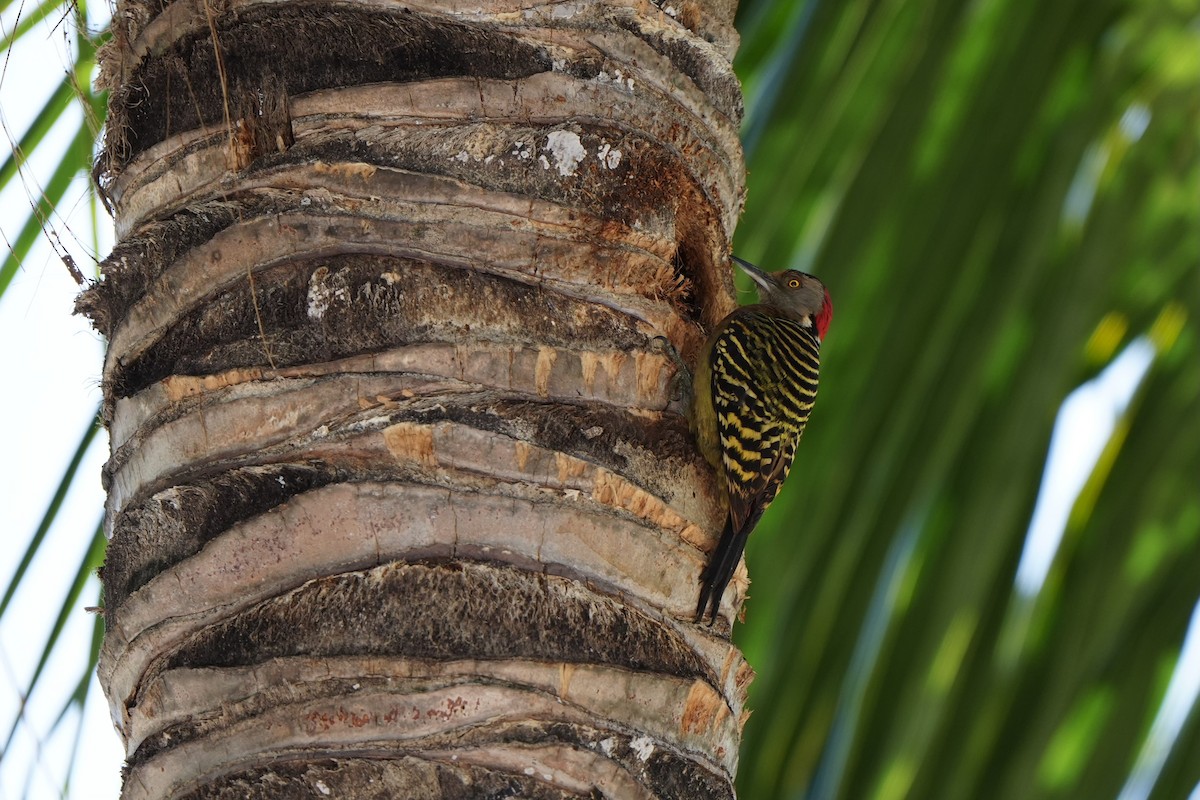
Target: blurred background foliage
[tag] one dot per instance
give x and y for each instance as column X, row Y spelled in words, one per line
column 1003, row 196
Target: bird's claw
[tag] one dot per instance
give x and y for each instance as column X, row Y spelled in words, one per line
column 681, row 381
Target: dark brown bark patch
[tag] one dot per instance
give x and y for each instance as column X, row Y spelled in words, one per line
column 672, row 776
column 444, row 611
column 307, row 48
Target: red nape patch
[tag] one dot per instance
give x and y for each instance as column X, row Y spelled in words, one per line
column 825, row 316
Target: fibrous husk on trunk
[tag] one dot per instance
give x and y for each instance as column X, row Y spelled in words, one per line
column 402, row 496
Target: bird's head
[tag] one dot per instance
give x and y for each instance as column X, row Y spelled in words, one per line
column 797, row 293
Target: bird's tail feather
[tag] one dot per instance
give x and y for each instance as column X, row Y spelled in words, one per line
column 721, row 564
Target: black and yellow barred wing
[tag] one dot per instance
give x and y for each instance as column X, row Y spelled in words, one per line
column 764, row 371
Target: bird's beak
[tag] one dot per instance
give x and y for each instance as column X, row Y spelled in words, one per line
column 756, row 274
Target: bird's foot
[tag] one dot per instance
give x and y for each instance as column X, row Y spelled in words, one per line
column 681, row 381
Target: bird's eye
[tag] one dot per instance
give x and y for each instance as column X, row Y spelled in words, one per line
column 794, row 283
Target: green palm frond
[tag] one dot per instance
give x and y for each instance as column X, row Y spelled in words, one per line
column 967, row 180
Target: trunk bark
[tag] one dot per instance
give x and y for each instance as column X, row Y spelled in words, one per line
column 400, row 503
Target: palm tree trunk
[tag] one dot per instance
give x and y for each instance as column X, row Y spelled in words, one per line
column 399, row 500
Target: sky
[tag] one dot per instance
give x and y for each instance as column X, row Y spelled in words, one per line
column 56, row 359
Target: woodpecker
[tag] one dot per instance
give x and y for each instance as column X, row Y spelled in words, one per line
column 755, row 384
